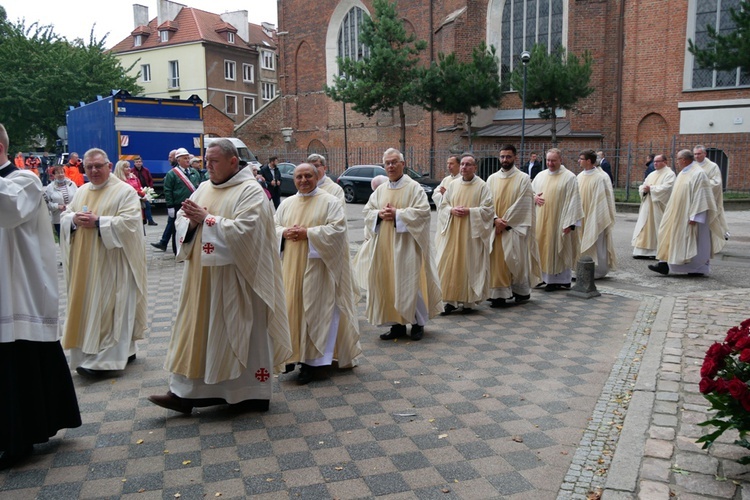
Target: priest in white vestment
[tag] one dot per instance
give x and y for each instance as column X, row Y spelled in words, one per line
column 324, row 182
column 465, row 224
column 690, row 232
column 558, row 213
column 231, row 333
column 598, row 204
column 453, row 165
column 713, row 172
column 402, row 285
column 514, row 260
column 104, row 259
column 655, row 192
column 37, row 397
column 320, row 299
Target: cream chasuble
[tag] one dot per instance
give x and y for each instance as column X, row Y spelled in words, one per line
column 231, row 262
column 330, row 187
column 105, row 270
column 464, row 249
column 599, row 219
column 398, row 265
column 691, row 196
column 713, row 172
column 561, row 209
column 652, row 208
column 318, row 278
column 514, row 260
column 437, row 197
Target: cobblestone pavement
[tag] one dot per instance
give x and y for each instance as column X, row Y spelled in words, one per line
column 544, row 400
column 657, row 457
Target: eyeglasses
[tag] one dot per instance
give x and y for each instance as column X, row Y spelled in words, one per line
column 96, row 166
column 388, row 163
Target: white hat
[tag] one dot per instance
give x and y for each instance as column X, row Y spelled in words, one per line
column 181, row 152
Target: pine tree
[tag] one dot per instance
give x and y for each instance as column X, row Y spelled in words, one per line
column 453, row 86
column 726, row 52
column 554, row 81
column 388, row 78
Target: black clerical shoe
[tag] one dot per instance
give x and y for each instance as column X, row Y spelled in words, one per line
column 131, row 358
column 467, row 310
column 152, row 223
column 498, row 303
column 521, row 298
column 541, row 284
column 10, row 458
column 448, row 309
column 90, row 374
column 553, row 287
column 642, row 257
column 289, row 367
column 395, row 332
column 251, row 405
column 171, row 401
column 159, row 246
column 417, row 332
column 661, row 268
column 306, row 374
column 696, row 274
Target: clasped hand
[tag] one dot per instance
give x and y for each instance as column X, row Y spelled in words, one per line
column 295, row 233
column 194, row 212
column 387, row 213
column 85, row 219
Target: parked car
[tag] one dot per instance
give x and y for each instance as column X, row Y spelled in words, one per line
column 355, row 181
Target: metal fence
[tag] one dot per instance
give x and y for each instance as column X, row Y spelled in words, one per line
column 628, row 163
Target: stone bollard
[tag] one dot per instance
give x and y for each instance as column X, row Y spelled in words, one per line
column 585, row 286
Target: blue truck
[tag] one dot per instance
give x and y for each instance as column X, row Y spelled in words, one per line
column 126, row 126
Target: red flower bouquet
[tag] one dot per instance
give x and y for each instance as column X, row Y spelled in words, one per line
column 724, row 383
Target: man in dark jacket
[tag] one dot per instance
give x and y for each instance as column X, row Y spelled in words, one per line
column 272, row 175
column 604, row 164
column 533, row 167
column 144, row 177
column 179, row 184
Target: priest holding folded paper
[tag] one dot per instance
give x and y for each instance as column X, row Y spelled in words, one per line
column 231, row 333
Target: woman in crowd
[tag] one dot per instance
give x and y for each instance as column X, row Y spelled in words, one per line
column 122, row 172
column 58, row 194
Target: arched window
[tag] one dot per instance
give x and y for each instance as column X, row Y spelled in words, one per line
column 343, row 35
column 348, row 41
column 517, row 25
column 701, row 14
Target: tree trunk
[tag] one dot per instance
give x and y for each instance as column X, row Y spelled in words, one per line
column 468, row 127
column 554, row 128
column 402, row 117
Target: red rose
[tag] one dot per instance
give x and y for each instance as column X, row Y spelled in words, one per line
column 746, row 323
column 743, row 343
column 733, row 335
column 722, row 387
column 745, row 355
column 718, row 351
column 737, row 388
column 745, row 401
column 709, row 368
column 706, row 385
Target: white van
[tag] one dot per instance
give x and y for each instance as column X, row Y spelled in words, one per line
column 245, row 154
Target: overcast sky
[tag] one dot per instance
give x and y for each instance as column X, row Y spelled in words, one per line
column 74, row 18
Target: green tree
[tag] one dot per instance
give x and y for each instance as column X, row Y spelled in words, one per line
column 555, row 81
column 726, row 51
column 453, row 86
column 43, row 74
column 388, row 78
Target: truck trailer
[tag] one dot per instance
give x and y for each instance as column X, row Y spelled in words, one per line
column 126, row 126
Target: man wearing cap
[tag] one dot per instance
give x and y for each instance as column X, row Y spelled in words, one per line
column 179, row 184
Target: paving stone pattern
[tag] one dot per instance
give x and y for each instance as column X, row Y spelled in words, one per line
column 674, row 466
column 488, row 405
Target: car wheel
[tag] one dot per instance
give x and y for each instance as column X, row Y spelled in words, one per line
column 349, row 194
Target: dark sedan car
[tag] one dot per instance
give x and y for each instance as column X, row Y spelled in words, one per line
column 355, row 181
column 287, row 178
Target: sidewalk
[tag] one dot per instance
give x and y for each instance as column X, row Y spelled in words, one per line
column 657, row 457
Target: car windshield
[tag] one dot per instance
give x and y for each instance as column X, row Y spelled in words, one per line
column 413, row 173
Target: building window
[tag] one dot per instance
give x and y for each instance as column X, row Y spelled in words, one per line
column 230, row 37
column 248, row 73
column 249, row 105
column 138, row 40
column 145, row 72
column 173, row 82
column 269, row 91
column 518, row 25
column 230, row 70
column 348, row 41
column 267, row 59
column 163, row 35
column 230, row 102
column 705, row 13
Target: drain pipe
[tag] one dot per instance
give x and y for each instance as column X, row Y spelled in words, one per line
column 620, row 76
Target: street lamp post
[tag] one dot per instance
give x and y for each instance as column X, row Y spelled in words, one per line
column 525, row 58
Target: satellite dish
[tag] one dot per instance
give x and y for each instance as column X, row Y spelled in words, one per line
column 62, row 132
